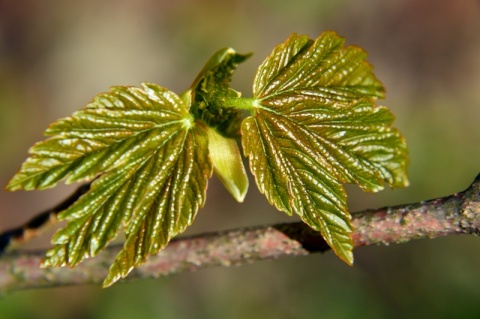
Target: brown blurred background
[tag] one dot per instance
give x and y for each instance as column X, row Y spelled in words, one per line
column 56, row 55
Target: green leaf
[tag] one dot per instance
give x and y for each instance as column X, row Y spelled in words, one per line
column 168, row 206
column 102, row 137
column 322, row 69
column 227, row 164
column 290, row 173
column 150, row 161
column 315, row 126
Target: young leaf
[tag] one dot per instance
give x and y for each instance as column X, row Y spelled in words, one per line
column 314, row 126
column 210, row 90
column 227, row 164
column 150, row 161
column 168, row 206
column 323, row 70
column 207, row 95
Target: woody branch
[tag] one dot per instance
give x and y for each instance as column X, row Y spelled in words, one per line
column 455, row 214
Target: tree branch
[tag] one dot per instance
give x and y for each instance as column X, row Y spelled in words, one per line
column 455, row 214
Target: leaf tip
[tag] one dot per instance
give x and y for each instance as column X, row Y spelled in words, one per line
column 238, row 192
column 344, row 249
column 15, row 184
column 10, row 187
column 54, row 257
column 347, row 257
column 111, row 279
column 118, row 270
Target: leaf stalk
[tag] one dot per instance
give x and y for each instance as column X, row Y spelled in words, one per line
column 243, row 103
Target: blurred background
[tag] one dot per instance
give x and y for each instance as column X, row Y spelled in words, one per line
column 56, row 55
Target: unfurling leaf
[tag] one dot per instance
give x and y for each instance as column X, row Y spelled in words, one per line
column 210, row 90
column 315, row 126
column 151, row 159
column 207, row 96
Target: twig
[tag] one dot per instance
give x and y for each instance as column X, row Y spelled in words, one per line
column 31, row 228
column 455, row 214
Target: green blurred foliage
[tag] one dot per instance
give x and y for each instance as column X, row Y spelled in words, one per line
column 56, row 55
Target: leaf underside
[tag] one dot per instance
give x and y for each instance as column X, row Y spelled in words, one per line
column 150, row 161
column 316, row 126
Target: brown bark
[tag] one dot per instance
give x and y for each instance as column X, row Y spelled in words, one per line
column 455, row 214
